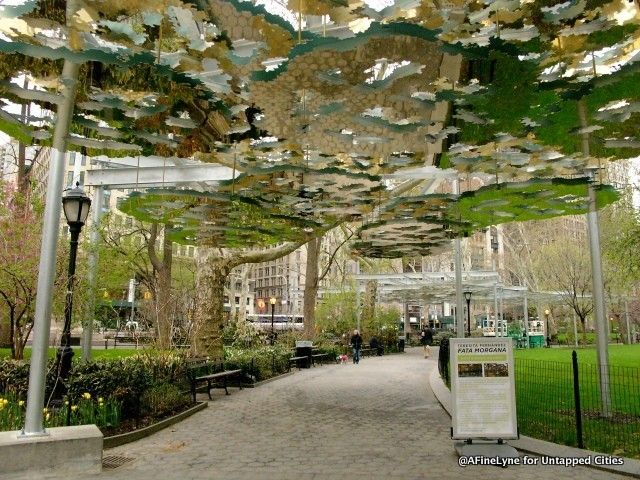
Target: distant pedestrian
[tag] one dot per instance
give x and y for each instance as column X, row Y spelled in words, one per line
column 356, row 345
column 426, row 339
column 375, row 344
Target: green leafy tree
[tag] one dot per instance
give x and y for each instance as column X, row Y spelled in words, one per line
column 336, row 314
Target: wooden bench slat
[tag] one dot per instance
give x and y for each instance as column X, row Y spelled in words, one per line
column 226, row 373
column 194, row 365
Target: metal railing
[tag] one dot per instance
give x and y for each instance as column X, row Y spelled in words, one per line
column 560, row 402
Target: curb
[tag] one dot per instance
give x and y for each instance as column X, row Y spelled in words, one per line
column 631, row 467
column 272, row 379
column 117, row 440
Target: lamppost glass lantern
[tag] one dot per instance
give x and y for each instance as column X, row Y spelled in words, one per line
column 75, row 204
column 467, row 297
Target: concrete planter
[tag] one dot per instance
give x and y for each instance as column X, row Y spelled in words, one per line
column 117, row 440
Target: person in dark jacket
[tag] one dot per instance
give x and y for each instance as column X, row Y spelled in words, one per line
column 426, row 339
column 356, row 345
column 375, row 344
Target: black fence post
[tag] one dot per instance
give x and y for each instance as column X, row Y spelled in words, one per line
column 576, row 397
column 443, row 360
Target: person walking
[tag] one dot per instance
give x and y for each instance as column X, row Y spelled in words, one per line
column 356, row 345
column 426, row 339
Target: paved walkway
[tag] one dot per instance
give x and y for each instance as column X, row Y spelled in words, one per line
column 375, row 420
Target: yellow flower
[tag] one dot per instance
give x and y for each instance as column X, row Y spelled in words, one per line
column 86, row 396
column 21, row 403
column 1, row 405
column 66, row 402
column 100, row 400
column 74, row 408
column 5, row 401
column 47, row 416
column 45, row 410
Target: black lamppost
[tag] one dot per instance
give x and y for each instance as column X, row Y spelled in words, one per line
column 272, row 301
column 467, row 297
column 76, row 208
column 547, row 312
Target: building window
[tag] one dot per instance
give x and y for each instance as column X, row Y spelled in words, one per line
column 72, row 159
column 273, row 270
column 237, row 300
column 70, row 178
column 81, row 178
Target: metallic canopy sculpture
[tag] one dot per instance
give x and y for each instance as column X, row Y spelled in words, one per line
column 316, row 105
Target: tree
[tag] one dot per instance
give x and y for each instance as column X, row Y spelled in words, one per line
column 315, row 274
column 566, row 268
column 337, row 313
column 213, row 268
column 20, row 230
column 135, row 250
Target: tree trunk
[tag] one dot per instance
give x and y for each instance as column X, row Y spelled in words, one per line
column 311, row 287
column 163, row 295
column 5, row 333
column 211, row 276
column 12, row 334
column 369, row 304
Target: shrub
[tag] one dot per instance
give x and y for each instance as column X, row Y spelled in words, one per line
column 126, row 379
column 438, row 337
column 259, row 363
column 162, row 399
column 14, row 377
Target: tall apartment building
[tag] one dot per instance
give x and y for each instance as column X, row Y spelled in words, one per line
column 282, row 279
column 285, row 277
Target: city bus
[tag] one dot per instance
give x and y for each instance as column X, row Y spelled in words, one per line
column 280, row 321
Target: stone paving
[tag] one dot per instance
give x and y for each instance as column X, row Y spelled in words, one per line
column 375, row 420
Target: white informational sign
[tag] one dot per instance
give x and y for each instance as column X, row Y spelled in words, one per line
column 483, row 388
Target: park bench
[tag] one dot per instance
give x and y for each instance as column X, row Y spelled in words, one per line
column 366, row 352
column 211, row 371
column 299, row 361
column 319, row 357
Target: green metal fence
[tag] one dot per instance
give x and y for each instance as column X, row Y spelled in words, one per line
column 547, row 394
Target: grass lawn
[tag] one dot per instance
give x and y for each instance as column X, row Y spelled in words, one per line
column 545, row 398
column 97, row 353
column 619, row 355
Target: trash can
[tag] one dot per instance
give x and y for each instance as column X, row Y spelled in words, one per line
column 401, row 343
column 303, row 349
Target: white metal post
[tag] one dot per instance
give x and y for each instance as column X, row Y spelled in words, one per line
column 602, row 329
column 458, row 267
column 47, row 266
column 526, row 318
column 626, row 314
column 94, row 236
column 495, row 308
column 501, row 292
